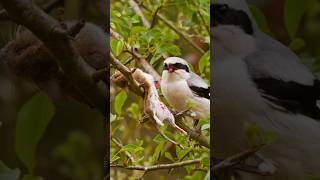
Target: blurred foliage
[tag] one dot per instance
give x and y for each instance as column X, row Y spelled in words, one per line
column 145, row 145
column 44, row 137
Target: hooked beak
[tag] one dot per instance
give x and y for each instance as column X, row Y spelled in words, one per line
column 171, row 69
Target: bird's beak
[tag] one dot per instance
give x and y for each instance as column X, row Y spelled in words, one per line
column 171, row 69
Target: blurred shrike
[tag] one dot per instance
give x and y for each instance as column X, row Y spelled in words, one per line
column 259, row 80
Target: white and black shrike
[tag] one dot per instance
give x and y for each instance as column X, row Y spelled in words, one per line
column 257, row 79
column 180, row 86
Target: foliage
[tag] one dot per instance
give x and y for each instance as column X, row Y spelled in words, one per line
column 141, row 144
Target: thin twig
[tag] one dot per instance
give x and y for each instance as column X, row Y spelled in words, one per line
column 154, row 17
column 175, row 29
column 120, row 146
column 157, row 167
column 138, row 11
column 55, row 38
column 235, row 159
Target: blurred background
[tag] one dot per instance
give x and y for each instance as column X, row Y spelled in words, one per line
column 295, row 23
column 73, row 144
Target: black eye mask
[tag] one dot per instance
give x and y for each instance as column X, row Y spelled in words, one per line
column 224, row 15
column 176, row 66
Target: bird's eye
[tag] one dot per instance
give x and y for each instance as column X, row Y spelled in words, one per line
column 165, row 67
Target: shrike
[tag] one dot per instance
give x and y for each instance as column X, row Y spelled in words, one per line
column 257, row 79
column 181, row 87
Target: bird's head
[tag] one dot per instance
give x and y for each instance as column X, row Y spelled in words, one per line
column 175, row 68
column 232, row 27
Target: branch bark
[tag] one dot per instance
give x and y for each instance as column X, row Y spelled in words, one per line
column 55, row 38
column 157, row 167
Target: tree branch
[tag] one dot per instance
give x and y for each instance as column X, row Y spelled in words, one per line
column 55, row 38
column 120, row 146
column 235, row 159
column 175, row 29
column 127, row 73
column 157, row 167
column 138, row 11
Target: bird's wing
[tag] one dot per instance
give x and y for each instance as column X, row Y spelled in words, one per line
column 283, row 80
column 276, row 60
column 291, row 96
column 198, row 86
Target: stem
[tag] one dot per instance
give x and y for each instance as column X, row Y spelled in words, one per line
column 157, row 167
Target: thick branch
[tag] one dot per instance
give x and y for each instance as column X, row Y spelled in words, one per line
column 127, row 73
column 157, row 167
column 55, row 38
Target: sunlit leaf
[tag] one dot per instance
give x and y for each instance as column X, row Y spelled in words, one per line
column 204, row 61
column 119, row 102
column 169, row 156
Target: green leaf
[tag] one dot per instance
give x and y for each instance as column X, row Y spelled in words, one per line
column 207, row 177
column 293, row 12
column 33, row 119
column 119, row 102
column 260, row 19
column 116, row 46
column 204, row 61
column 159, row 139
column 169, row 156
column 196, row 176
column 7, row 173
column 114, row 158
column 296, row 44
column 157, row 152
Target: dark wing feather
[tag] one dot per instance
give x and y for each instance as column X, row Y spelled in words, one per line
column 198, row 86
column 202, row 92
column 292, row 96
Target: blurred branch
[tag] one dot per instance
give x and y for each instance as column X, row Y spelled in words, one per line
column 235, row 159
column 157, row 167
column 52, row 4
column 47, row 8
column 56, row 39
column 175, row 29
